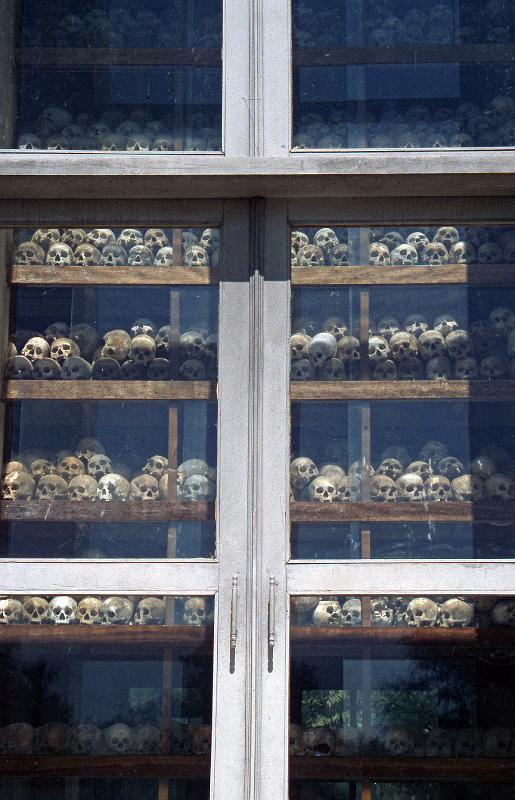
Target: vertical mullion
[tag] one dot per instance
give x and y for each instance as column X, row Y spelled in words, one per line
column 8, row 100
column 272, row 667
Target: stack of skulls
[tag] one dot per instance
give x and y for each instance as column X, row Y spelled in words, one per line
column 469, row 124
column 428, row 247
column 432, row 476
column 64, row 610
column 57, row 129
column 119, row 739
column 132, row 247
column 332, row 354
column 88, row 474
column 144, row 352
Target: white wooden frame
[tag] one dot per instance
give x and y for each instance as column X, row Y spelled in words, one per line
column 194, row 576
column 304, row 577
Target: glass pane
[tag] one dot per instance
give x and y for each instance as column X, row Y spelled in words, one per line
column 110, row 78
column 402, row 75
column 400, row 693
column 97, row 689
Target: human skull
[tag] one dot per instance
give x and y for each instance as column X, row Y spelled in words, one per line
column 195, row 611
column 321, row 347
column 129, row 238
column 468, row 488
column 119, row 738
column 99, row 465
column 76, row 369
column 296, row 746
column 164, row 257
column 438, row 743
column 29, row 254
column 147, row 739
column 35, row 610
column 462, row 253
column 380, row 612
column 192, row 370
column 17, row 738
column 159, row 370
column 18, row 368
column 87, row 448
column 502, row 321
column 51, row 487
column 433, row 451
column 11, row 612
column 499, row 487
column 378, row 350
column 465, row 743
column 387, row 327
column 503, row 613
column 302, row 471
column 398, row 742
column 410, row 487
column 383, row 489
column 36, row 349
column 299, row 343
column 327, row 613
column 434, row 254
column 140, row 256
column 59, row 255
column 70, row 467
column 466, row 369
column 198, row 488
column 83, row 487
column 322, row 489
column 339, row 256
column 106, row 369
column 196, row 256
column 418, row 240
column 459, row 344
column 326, row 239
column 113, row 255
column 87, row 256
column 142, row 349
column 379, row 254
column 298, row 240
column 116, row 611
column 422, row 613
column 62, row 610
column 332, row 370
column 391, row 468
column 437, row 488
column 492, row 368
column 86, row 739
column 498, row 742
column 40, row 467
column 117, row 344
column 73, row 237
column 310, row 256
column 489, row 253
column 62, row 349
column 89, row 610
column 431, row 344
column 416, row 324
column 18, row 485
column 112, row 487
column 101, row 237
column 450, row 467
column 483, row 467
column 46, row 369
column 348, row 350
column 447, row 236
column 45, row 237
column 302, row 370
column 150, row 611
column 456, row 613
column 392, row 239
column 420, row 467
column 403, row 346
column 351, row 612
column 439, row 369
column 57, row 330
column 144, row 487
column 405, row 255
column 193, row 466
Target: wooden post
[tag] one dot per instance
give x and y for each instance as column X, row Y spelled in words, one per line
column 9, row 94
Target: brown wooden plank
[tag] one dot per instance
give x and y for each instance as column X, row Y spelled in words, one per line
column 469, row 637
column 46, row 274
column 451, row 511
column 335, row 768
column 110, row 57
column 407, row 54
column 96, row 511
column 108, row 635
column 473, row 275
column 403, row 390
column 109, row 390
column 186, row 767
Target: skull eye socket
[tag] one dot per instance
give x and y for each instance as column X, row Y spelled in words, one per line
column 330, row 610
column 29, row 609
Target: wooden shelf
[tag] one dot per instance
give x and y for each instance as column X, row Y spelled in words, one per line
column 403, row 390
column 47, row 275
column 406, row 54
column 182, row 767
column 119, row 57
column 99, row 511
column 82, row 391
column 107, row 635
column 307, row 636
column 472, row 275
column 451, row 511
column 407, row 768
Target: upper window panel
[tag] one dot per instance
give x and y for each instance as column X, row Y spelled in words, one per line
column 403, row 74
column 99, row 75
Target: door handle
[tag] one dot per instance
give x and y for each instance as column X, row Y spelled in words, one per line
column 234, row 612
column 272, row 583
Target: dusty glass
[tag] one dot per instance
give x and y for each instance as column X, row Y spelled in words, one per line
column 114, row 78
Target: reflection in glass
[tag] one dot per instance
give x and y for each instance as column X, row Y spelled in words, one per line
column 103, row 788
column 402, row 75
column 116, row 78
column 469, row 459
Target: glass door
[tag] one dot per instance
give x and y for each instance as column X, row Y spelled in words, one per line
column 397, row 541
column 123, row 541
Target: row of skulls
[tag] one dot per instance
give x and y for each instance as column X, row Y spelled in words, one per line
column 124, row 25
column 470, row 124
column 130, row 247
column 393, row 741
column 433, row 476
column 429, row 247
column 58, row 738
column 413, row 349
column 144, row 352
column 385, row 26
column 64, row 610
column 109, row 130
column 87, row 474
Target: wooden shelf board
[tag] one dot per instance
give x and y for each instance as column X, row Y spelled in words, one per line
column 336, row 637
column 46, row 274
column 403, row 390
column 185, row 767
column 133, row 636
column 407, row 54
column 99, row 511
column 452, row 511
column 119, row 57
column 407, row 768
column 473, row 275
column 82, row 391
